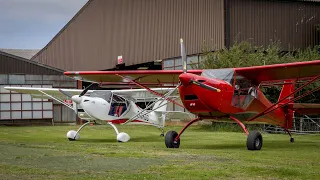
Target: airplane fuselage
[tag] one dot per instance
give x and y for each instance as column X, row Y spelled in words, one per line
column 210, row 104
column 102, row 111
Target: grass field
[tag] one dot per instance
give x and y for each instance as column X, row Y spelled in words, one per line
column 45, row 153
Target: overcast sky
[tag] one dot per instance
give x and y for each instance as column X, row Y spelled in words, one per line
column 31, row 24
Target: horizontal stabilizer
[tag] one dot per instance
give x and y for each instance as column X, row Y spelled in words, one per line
column 306, row 108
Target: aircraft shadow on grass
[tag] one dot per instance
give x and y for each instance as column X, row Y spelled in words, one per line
column 269, row 144
column 111, row 140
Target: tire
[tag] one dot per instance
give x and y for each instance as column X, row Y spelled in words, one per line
column 169, row 140
column 254, row 141
column 292, row 140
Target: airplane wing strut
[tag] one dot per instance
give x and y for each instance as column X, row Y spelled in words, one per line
column 275, row 106
column 165, row 97
column 59, row 100
column 153, row 92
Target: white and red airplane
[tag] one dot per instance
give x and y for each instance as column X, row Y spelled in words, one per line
column 111, row 106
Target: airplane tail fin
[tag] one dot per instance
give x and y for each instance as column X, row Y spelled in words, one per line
column 287, row 89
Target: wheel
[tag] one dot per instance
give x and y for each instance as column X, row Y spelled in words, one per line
column 161, row 135
column 169, row 140
column 72, row 135
column 292, row 139
column 254, row 140
column 123, row 137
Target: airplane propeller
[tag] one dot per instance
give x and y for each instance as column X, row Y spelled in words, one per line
column 66, row 93
column 183, row 56
column 86, row 89
column 184, row 63
column 77, row 98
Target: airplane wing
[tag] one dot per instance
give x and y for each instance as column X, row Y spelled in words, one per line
column 141, row 76
column 41, row 92
column 306, row 108
column 143, row 94
column 256, row 74
column 296, row 70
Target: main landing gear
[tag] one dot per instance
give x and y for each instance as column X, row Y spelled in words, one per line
column 254, row 139
column 73, row 135
column 172, row 139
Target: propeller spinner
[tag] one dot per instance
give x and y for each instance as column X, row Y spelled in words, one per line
column 77, row 98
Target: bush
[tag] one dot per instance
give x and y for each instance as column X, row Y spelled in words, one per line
column 244, row 54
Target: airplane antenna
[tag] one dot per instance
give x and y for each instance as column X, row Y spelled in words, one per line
column 183, row 56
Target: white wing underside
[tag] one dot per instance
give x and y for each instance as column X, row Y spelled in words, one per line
column 138, row 94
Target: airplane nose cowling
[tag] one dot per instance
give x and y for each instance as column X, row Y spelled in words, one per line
column 185, row 78
column 76, row 99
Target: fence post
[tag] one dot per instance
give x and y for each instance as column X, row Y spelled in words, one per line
column 301, row 123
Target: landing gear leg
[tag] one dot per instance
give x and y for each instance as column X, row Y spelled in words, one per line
column 73, row 135
column 162, row 132
column 122, row 136
column 172, row 139
column 254, row 139
column 291, row 138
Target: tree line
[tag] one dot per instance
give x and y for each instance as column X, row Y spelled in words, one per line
column 245, row 54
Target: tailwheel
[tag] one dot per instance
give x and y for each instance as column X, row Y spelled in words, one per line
column 170, row 140
column 292, row 139
column 254, row 140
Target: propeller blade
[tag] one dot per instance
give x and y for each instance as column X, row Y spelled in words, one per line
column 66, row 93
column 183, row 56
column 205, row 86
column 86, row 89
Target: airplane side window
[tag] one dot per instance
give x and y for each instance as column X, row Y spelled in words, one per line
column 243, row 92
column 118, row 105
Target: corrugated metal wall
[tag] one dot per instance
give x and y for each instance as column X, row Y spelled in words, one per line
column 16, row 65
column 291, row 23
column 16, row 107
column 140, row 30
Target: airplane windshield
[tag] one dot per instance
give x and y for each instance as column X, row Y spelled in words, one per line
column 106, row 95
column 223, row 74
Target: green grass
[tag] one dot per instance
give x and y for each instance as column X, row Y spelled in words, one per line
column 45, row 153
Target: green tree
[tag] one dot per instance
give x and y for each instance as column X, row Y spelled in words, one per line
column 244, row 54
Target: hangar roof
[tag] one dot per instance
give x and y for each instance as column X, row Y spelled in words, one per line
column 12, row 64
column 24, row 53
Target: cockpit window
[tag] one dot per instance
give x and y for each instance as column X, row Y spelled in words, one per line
column 223, row 74
column 118, row 106
column 244, row 92
column 242, row 82
column 118, row 99
column 106, row 95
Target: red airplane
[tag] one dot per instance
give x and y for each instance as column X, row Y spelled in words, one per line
column 232, row 93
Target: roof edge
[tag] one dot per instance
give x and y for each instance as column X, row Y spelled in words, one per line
column 30, row 61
